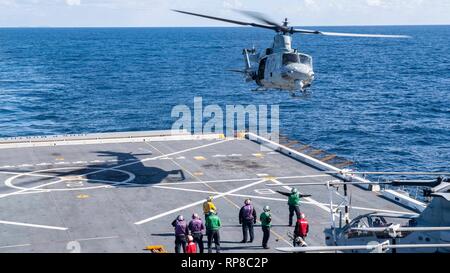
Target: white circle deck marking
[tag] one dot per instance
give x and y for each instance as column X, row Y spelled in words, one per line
column 131, row 177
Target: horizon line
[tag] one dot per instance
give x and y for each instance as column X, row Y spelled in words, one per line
column 370, row 25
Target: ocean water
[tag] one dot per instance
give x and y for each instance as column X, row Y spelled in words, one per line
column 383, row 103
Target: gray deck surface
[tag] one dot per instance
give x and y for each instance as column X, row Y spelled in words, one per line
column 98, row 192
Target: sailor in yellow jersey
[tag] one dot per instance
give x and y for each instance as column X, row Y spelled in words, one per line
column 208, row 205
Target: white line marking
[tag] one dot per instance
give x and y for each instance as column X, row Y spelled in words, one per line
column 7, row 166
column 24, row 165
column 219, row 156
column 262, row 174
column 235, row 155
column 31, row 225
column 281, row 200
column 264, row 191
column 43, row 164
column 96, row 238
column 79, row 162
column 181, row 157
column 8, row 182
column 28, row 174
column 11, row 246
column 197, row 203
column 158, row 157
column 240, row 180
column 60, row 163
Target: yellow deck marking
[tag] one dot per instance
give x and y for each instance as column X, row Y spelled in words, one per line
column 198, row 173
column 71, row 178
column 259, row 155
column 199, row 158
column 269, row 177
column 82, row 196
column 60, row 158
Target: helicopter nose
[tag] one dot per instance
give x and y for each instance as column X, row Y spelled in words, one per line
column 299, row 73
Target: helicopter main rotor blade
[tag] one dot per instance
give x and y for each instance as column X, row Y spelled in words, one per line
column 260, row 17
column 227, row 20
column 305, row 31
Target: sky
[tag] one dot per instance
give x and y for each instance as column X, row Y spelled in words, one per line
column 156, row 13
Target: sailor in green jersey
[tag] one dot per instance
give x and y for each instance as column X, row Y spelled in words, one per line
column 213, row 224
column 293, row 203
column 266, row 219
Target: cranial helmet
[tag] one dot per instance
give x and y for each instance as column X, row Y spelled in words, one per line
column 190, row 238
column 266, row 208
column 294, row 190
column 247, row 201
column 180, row 218
column 209, row 199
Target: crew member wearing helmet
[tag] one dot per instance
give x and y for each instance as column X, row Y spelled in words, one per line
column 293, row 203
column 301, row 231
column 208, row 205
column 247, row 218
column 196, row 227
column 266, row 219
column 213, row 225
column 181, row 231
column 191, row 246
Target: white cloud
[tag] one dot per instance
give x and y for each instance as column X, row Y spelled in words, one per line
column 375, row 3
column 73, row 2
column 232, row 4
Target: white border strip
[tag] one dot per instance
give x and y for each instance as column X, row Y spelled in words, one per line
column 32, row 225
column 305, row 158
column 103, row 138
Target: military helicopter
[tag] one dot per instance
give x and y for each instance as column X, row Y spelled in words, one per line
column 280, row 66
column 428, row 231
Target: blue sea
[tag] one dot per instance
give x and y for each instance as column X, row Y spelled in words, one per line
column 384, row 104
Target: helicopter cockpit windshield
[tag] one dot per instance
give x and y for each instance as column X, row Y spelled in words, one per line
column 289, row 58
column 305, row 59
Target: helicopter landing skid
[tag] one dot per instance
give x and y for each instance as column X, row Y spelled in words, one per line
column 259, row 89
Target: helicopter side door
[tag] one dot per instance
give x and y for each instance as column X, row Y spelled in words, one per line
column 261, row 70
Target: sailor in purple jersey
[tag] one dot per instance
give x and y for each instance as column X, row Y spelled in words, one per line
column 196, row 228
column 181, row 231
column 247, row 217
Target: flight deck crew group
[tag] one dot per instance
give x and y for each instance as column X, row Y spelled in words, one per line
column 189, row 236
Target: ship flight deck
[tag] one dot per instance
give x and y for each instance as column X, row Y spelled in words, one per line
column 119, row 192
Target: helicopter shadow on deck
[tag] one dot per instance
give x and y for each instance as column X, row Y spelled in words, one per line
column 104, row 172
column 144, row 174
